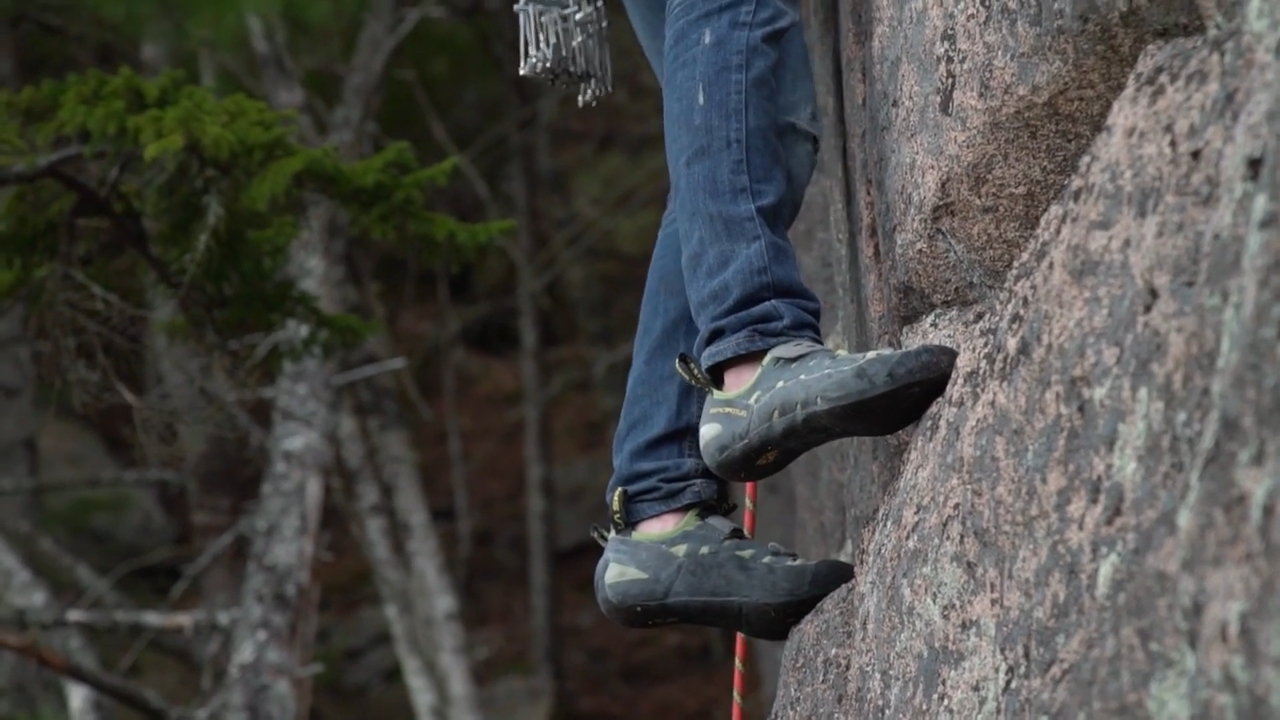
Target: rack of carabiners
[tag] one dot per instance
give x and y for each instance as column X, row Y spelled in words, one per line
column 566, row 42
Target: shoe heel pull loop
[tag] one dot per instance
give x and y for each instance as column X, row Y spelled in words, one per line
column 693, row 373
column 618, row 510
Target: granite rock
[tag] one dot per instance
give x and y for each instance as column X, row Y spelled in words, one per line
column 1085, row 525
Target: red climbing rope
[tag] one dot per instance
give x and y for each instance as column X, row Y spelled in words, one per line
column 740, row 648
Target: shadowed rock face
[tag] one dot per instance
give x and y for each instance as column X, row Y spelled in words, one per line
column 1086, row 524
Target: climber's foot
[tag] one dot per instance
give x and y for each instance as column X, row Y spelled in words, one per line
column 706, row 571
column 805, row 395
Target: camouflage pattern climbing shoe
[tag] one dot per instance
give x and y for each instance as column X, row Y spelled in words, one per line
column 707, row 572
column 806, row 395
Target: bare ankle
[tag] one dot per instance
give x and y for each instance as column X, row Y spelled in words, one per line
column 661, row 523
column 739, row 372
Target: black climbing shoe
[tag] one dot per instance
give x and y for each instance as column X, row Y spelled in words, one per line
column 707, row 572
column 806, row 395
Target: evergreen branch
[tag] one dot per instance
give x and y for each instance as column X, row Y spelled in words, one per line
column 142, row 699
column 41, row 168
column 135, row 232
column 177, row 621
column 101, row 481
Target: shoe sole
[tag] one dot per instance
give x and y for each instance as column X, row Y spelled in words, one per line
column 918, row 379
column 762, row 622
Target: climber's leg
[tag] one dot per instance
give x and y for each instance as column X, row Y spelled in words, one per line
column 738, row 108
column 740, row 163
column 672, row 556
column 656, row 462
column 655, row 451
column 656, row 454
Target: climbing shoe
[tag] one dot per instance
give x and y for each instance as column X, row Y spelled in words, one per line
column 806, row 395
column 706, row 571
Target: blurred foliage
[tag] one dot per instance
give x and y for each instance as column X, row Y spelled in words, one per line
column 215, row 180
column 121, row 180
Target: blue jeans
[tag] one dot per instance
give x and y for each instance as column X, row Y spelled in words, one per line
column 740, row 125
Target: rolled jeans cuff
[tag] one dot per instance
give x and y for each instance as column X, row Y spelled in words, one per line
column 745, row 344
column 695, row 492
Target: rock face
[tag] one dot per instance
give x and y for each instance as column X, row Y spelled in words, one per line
column 1089, row 209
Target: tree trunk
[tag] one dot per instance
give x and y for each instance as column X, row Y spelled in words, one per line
column 538, row 509
column 9, row 79
column 180, row 404
column 406, row 553
column 21, row 589
column 263, row 668
column 451, row 416
column 19, row 586
column 406, row 619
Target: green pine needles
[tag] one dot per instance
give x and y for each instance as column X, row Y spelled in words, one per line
column 119, row 184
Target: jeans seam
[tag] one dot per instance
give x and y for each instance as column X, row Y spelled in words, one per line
column 741, row 67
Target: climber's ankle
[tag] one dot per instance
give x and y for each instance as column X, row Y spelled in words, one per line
column 740, row 371
column 662, row 523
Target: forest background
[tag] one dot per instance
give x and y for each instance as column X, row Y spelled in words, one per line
column 314, row 323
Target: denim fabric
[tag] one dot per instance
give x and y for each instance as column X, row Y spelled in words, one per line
column 740, row 125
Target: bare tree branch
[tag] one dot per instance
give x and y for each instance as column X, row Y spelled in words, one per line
column 89, row 580
column 104, row 481
column 404, row 378
column 128, row 566
column 23, row 588
column 364, row 372
column 126, row 693
column 179, row 621
column 409, row 19
column 282, row 90
column 440, row 131
column 212, row 552
column 379, row 35
column 40, row 168
column 453, row 424
column 538, row 508
column 86, row 577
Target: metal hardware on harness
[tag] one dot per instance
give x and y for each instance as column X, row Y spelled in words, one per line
column 564, row 42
